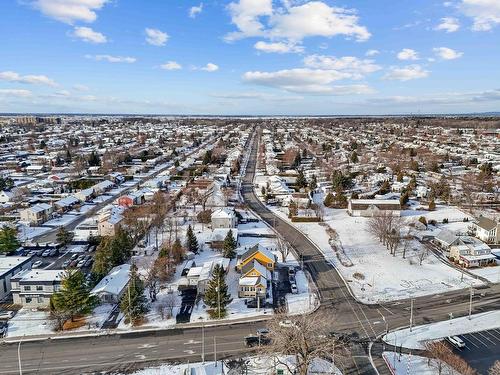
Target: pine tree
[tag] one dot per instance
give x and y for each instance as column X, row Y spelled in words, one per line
column 133, row 303
column 74, row 297
column 301, row 180
column 293, row 210
column 329, row 199
column 64, row 236
column 8, row 240
column 229, row 245
column 217, row 296
column 191, row 240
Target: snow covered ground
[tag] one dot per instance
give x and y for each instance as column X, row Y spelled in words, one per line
column 61, row 221
column 26, row 232
column 371, row 272
column 263, row 365
column 406, row 364
column 435, row 331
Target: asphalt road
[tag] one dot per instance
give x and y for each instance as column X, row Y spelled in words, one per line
column 130, row 350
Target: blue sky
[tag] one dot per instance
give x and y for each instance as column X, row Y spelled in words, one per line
column 255, row 57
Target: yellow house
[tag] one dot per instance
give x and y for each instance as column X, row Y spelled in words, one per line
column 260, row 254
column 255, row 269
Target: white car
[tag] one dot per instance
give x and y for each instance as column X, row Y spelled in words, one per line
column 287, row 323
column 37, row 264
column 6, row 314
column 456, row 341
column 294, row 289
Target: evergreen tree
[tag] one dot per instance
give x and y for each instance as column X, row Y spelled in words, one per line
column 94, row 159
column 8, row 240
column 207, row 158
column 112, row 251
column 329, row 199
column 64, row 236
column 301, row 180
column 191, row 240
column 73, row 299
column 6, row 183
column 229, row 245
column 314, row 183
column 293, row 209
column 354, row 157
column 133, row 303
column 217, row 296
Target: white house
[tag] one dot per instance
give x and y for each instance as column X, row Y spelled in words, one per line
column 111, row 288
column 373, row 207
column 9, row 266
column 487, row 230
column 224, row 218
column 33, row 288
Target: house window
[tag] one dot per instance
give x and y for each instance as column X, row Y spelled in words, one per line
column 270, row 265
column 27, row 287
column 57, row 287
column 28, row 299
column 39, row 287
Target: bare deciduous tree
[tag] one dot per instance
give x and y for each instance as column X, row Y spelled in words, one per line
column 495, row 369
column 305, row 338
column 445, row 361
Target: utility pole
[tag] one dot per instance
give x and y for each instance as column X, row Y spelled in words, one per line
column 19, row 357
column 411, row 313
column 470, row 301
column 215, row 351
column 202, row 343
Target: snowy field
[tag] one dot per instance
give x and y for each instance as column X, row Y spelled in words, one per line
column 373, row 274
column 406, row 364
column 26, row 232
column 435, row 331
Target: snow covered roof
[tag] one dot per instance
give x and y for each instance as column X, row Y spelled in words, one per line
column 9, row 263
column 115, row 281
column 39, row 276
column 223, row 213
column 250, row 281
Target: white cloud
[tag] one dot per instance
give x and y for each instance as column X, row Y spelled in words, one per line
column 306, row 81
column 484, row 13
column 448, row 24
column 452, row 98
column 156, row 37
column 194, row 11
column 372, row 52
column 70, row 11
column 293, row 22
column 278, row 47
column 80, row 87
column 30, row 78
column 171, row 65
column 354, row 67
column 88, row 35
column 210, row 67
column 112, row 59
column 447, row 53
column 18, row 93
column 408, row 54
column 406, row 73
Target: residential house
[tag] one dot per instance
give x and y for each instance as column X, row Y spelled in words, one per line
column 373, row 207
column 33, row 288
column 9, row 266
column 446, row 239
column 85, row 195
column 66, row 204
column 487, row 230
column 111, row 288
column 224, row 218
column 109, row 223
column 258, row 253
column 254, row 281
column 472, row 252
column 37, row 214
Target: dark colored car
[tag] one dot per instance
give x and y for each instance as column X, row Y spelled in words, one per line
column 253, row 340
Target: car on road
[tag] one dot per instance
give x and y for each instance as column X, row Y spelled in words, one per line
column 294, row 289
column 37, row 264
column 5, row 314
column 287, row 323
column 456, row 341
column 254, row 340
column 262, row 331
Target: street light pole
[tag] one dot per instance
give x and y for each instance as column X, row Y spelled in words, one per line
column 19, row 357
column 411, row 314
column 470, row 302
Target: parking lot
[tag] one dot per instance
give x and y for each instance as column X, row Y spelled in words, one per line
column 481, row 350
column 61, row 258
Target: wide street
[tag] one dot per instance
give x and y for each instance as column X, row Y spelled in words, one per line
column 127, row 350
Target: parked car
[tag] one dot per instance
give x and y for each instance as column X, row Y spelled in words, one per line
column 294, row 289
column 291, row 271
column 74, row 256
column 3, row 328
column 53, row 252
column 80, row 263
column 456, row 341
column 88, row 262
column 39, row 253
column 291, row 279
column 4, row 314
column 252, row 304
column 262, row 331
column 66, row 264
column 287, row 323
column 37, row 264
column 46, row 253
column 254, row 340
